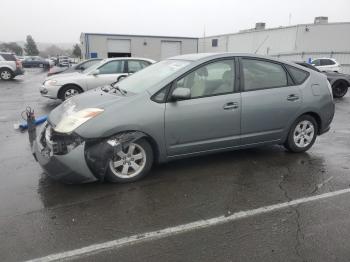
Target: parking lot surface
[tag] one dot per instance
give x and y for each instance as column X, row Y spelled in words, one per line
column 39, row 216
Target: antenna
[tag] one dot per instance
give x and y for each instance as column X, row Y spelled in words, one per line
column 290, row 18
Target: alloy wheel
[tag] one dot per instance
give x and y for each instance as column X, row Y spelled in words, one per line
column 129, row 162
column 304, row 133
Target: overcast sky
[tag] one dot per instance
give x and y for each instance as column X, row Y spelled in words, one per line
column 60, row 21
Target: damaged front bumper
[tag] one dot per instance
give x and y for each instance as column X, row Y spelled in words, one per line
column 62, row 161
column 71, row 159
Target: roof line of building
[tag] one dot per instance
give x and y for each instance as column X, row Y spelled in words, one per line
column 247, row 31
column 218, row 35
column 129, row 35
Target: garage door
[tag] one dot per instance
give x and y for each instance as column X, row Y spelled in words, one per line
column 170, row 48
column 118, row 46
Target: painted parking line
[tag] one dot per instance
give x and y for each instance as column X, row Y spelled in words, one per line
column 170, row 231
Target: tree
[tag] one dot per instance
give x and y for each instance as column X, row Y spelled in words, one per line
column 11, row 47
column 52, row 50
column 30, row 47
column 76, row 51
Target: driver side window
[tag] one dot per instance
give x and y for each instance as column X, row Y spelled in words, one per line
column 113, row 67
column 211, row 79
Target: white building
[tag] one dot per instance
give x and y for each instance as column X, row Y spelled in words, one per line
column 296, row 43
column 154, row 47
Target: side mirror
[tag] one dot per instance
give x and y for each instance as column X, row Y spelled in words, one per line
column 181, row 93
column 95, row 72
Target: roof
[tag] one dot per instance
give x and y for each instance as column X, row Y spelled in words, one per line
column 128, row 35
column 130, row 58
column 204, row 56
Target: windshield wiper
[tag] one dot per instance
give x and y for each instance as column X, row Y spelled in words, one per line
column 114, row 86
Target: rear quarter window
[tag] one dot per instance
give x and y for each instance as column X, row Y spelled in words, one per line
column 298, row 75
column 9, row 57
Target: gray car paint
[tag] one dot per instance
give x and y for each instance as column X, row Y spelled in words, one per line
column 176, row 128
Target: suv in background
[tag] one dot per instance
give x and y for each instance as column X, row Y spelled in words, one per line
column 9, row 66
column 340, row 82
column 326, row 64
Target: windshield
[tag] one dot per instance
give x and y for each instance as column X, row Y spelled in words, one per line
column 93, row 67
column 151, row 75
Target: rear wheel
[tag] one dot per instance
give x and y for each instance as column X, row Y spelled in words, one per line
column 302, row 134
column 132, row 163
column 6, row 74
column 339, row 89
column 68, row 92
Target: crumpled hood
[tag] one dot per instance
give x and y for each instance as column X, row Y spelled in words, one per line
column 92, row 99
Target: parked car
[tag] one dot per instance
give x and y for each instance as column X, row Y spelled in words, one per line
column 20, row 58
column 10, row 66
column 35, row 61
column 63, row 61
column 64, row 86
column 184, row 106
column 326, row 64
column 340, row 82
column 75, row 68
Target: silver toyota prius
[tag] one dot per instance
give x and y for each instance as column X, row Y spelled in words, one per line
column 181, row 107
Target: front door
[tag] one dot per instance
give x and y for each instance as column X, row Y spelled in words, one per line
column 210, row 119
column 108, row 73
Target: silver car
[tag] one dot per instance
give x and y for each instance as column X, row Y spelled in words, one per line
column 180, row 107
column 64, row 86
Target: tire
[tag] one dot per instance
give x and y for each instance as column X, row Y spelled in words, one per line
column 121, row 168
column 6, row 74
column 68, row 91
column 339, row 89
column 302, row 134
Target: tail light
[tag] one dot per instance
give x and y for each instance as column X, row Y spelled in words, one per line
column 18, row 63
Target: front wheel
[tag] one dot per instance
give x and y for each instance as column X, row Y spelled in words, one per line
column 302, row 134
column 132, row 163
column 68, row 92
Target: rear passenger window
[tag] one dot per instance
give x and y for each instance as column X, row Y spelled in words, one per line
column 298, row 75
column 9, row 57
column 325, row 62
column 262, row 74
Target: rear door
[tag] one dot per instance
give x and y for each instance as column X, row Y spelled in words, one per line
column 109, row 73
column 269, row 100
column 136, row 65
column 210, row 119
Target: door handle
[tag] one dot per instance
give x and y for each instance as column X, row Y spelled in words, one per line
column 231, row 105
column 292, row 97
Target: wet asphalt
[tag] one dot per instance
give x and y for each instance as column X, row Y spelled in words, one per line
column 39, row 216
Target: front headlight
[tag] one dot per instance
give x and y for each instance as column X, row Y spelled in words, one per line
column 50, row 82
column 72, row 121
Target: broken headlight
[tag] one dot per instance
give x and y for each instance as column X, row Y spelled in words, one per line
column 75, row 119
column 55, row 143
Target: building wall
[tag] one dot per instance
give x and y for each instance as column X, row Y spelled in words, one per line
column 152, row 48
column 294, row 43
